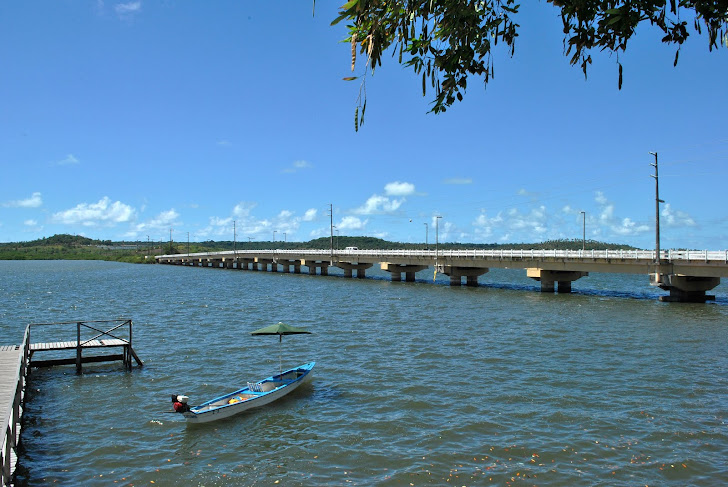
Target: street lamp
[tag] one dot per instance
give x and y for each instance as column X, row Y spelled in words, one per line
column 583, row 231
column 188, row 244
column 437, row 236
column 426, row 229
column 274, row 236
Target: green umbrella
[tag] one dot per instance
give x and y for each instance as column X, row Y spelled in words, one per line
column 280, row 329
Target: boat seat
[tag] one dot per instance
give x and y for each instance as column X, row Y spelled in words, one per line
column 255, row 387
column 268, row 386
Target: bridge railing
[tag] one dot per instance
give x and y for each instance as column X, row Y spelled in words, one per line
column 667, row 255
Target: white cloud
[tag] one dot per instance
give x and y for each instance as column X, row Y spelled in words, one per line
column 310, row 215
column 379, row 204
column 530, row 226
column 351, row 223
column 619, row 226
column 128, row 8
column 68, row 160
column 30, row 223
column 34, row 201
column 91, row 214
column 600, row 198
column 457, row 181
column 399, row 189
column 224, row 143
column 297, row 166
column 676, row 218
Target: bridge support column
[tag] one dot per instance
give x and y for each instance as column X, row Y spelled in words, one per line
column 549, row 278
column 396, row 270
column 264, row 264
column 286, row 264
column 350, row 267
column 457, row 273
column 685, row 289
column 316, row 264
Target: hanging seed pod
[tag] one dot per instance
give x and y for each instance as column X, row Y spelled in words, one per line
column 356, row 119
column 353, row 51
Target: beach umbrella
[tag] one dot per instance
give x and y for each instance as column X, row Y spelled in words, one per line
column 280, row 329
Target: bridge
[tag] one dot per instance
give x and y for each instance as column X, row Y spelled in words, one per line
column 687, row 275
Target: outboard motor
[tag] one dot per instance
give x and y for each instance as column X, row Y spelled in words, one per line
column 179, row 402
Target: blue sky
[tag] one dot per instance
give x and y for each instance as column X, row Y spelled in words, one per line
column 123, row 120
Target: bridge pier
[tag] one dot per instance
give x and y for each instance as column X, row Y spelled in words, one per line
column 264, row 264
column 685, row 289
column 457, row 273
column 244, row 264
column 286, row 263
column 350, row 267
column 396, row 270
column 550, row 278
column 316, row 264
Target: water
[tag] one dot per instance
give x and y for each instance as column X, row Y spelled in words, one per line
column 415, row 383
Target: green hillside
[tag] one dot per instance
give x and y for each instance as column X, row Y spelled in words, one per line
column 72, row 247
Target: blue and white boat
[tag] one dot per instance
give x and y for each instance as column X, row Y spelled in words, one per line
column 254, row 395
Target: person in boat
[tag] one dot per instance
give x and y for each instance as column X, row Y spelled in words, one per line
column 180, row 403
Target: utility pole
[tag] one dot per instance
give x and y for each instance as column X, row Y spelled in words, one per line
column 170, row 240
column 188, row 244
column 426, row 229
column 583, row 231
column 657, row 212
column 235, row 244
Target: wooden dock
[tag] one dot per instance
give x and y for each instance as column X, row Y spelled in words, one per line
column 16, row 360
column 13, row 373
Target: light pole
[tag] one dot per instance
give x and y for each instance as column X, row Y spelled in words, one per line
column 284, row 238
column 331, row 223
column 188, row 244
column 426, row 229
column 583, row 231
column 437, row 236
column 274, row 237
column 235, row 245
column 657, row 212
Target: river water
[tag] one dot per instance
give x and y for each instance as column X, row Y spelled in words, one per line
column 415, row 383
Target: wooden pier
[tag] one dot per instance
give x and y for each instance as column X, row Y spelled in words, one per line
column 16, row 360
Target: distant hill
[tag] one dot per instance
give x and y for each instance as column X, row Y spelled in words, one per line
column 74, row 247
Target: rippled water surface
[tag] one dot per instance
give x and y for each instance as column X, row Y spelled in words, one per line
column 415, row 383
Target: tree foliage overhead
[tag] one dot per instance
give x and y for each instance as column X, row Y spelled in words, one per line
column 447, row 40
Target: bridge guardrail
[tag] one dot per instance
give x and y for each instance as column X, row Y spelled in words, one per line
column 667, row 255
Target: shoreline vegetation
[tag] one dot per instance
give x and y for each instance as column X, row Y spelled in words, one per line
column 73, row 247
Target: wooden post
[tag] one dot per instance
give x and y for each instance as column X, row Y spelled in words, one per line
column 78, row 348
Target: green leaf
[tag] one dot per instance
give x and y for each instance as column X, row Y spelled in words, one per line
column 348, row 4
column 350, row 78
column 339, row 19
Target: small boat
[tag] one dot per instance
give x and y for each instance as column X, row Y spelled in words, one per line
column 254, row 395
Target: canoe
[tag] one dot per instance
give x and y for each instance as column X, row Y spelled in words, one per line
column 254, row 395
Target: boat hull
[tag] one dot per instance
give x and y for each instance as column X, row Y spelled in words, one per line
column 253, row 396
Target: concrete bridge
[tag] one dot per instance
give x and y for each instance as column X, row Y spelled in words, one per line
column 687, row 275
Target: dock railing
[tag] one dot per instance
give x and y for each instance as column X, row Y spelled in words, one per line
column 11, row 414
column 119, row 335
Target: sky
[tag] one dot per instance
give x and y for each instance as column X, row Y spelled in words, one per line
column 137, row 120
